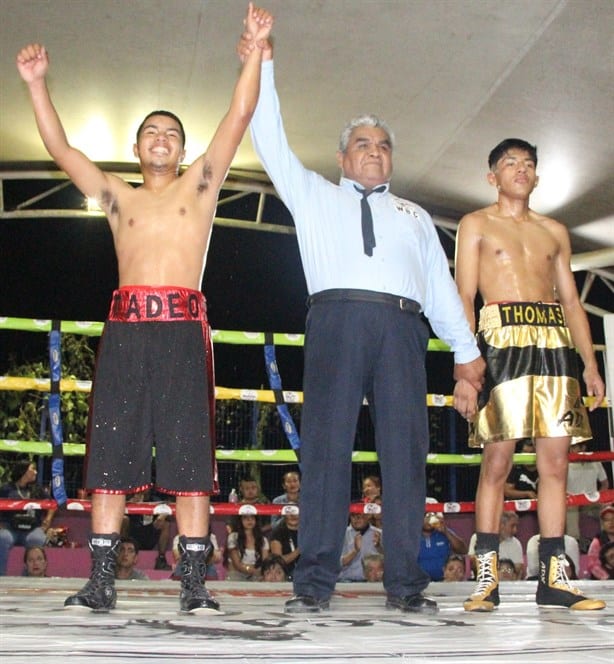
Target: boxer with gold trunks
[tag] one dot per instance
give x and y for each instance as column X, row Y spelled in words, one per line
column 518, row 261
column 532, row 387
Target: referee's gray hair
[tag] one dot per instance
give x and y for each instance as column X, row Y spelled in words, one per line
column 367, row 120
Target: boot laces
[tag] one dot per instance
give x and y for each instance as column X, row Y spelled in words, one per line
column 486, row 575
column 561, row 580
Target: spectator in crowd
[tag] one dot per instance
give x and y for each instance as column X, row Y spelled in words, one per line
column 509, row 545
column 522, row 480
column 572, row 552
column 150, row 531
column 371, row 488
column 606, row 559
column 35, row 561
column 593, row 565
column 373, row 567
column 361, row 539
column 507, row 570
column 583, row 477
column 291, row 483
column 274, row 569
column 284, row 541
column 23, row 527
column 437, row 543
column 127, row 557
column 250, row 493
column 454, row 569
column 376, row 517
column 246, row 549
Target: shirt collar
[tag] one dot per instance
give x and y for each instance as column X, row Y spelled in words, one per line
column 346, row 183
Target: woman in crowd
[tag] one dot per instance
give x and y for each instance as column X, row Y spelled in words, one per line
column 246, row 550
column 35, row 561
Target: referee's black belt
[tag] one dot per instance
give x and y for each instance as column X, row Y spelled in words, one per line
column 355, row 295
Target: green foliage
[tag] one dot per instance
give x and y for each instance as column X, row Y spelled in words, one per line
column 23, row 412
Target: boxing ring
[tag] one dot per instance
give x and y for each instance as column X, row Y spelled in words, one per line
column 252, row 627
column 146, row 626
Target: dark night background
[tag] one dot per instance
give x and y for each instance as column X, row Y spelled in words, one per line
column 66, row 268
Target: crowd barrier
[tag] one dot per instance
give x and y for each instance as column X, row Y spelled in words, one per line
column 460, row 513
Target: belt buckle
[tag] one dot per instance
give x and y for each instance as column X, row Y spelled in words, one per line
column 403, row 303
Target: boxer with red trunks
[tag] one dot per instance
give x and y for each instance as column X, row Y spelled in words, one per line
column 154, row 379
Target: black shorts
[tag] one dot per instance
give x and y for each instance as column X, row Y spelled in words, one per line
column 153, row 387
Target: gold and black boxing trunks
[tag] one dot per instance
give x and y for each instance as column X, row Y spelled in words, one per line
column 532, row 387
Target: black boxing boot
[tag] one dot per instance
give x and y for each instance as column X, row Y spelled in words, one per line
column 194, row 597
column 99, row 594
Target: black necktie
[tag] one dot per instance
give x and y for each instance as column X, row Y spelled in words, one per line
column 368, row 236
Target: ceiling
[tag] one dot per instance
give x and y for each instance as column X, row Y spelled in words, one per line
column 451, row 77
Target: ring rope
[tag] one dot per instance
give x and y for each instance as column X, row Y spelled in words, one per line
column 94, row 329
column 22, row 383
column 44, row 448
column 229, row 509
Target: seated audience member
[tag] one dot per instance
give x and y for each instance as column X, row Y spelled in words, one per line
column 583, row 477
column 274, row 569
column 376, row 517
column 246, row 549
column 251, row 494
column 291, row 483
column 606, row 559
column 35, row 561
column 506, row 570
column 284, row 541
column 606, row 536
column 214, row 557
column 127, row 556
column 509, row 544
column 523, row 480
column 148, row 530
column 436, row 544
column 23, row 527
column 373, row 567
column 361, row 539
column 572, row 553
column 371, row 488
column 454, row 569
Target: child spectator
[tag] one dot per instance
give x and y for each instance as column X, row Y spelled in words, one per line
column 454, row 569
column 606, row 558
column 35, row 561
column 274, row 569
column 594, row 566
